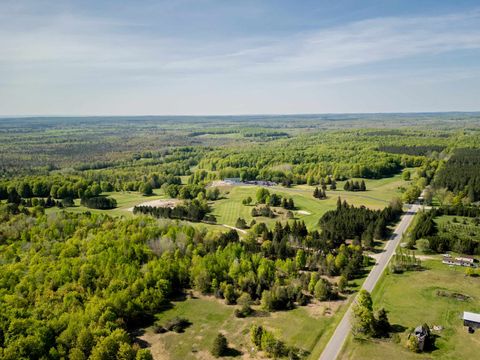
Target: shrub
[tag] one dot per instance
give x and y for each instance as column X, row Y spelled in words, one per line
column 99, row 202
column 323, row 290
column 177, row 324
column 241, row 223
column 219, row 346
column 423, row 245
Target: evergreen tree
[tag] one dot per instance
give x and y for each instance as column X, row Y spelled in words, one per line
column 363, row 187
column 382, row 327
column 219, row 346
column 333, row 185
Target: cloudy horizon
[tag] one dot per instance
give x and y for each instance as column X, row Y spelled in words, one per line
column 212, row 57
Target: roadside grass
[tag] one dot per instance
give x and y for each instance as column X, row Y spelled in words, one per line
column 411, row 299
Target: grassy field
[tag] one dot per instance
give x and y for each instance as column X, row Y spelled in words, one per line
column 309, row 327
column 305, row 327
column 228, row 209
column 125, row 201
column 412, row 300
column 378, row 194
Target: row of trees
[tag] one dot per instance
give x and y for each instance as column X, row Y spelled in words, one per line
column 319, row 194
column 194, row 210
column 355, row 186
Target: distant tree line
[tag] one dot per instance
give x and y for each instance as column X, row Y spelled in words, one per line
column 416, row 150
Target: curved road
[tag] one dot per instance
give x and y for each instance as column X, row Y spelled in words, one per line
column 338, row 338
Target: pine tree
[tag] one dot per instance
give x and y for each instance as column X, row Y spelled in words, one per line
column 382, row 326
column 333, row 185
column 356, row 186
column 219, row 346
column 363, row 187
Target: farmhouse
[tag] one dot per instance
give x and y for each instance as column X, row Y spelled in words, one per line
column 467, row 261
column 232, row 181
column 471, row 320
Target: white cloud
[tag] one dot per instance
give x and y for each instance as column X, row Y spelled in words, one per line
column 47, row 52
column 67, row 40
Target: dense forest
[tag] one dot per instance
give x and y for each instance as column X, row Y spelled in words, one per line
column 461, row 173
column 76, row 284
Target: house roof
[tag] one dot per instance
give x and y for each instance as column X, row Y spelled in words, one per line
column 471, row 316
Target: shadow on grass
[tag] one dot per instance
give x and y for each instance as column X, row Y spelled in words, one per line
column 231, row 352
column 260, row 313
column 378, row 247
column 431, row 346
column 397, row 328
column 142, row 343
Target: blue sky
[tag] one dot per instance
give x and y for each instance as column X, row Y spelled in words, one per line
column 114, row 57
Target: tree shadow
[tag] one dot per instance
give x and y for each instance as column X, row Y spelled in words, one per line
column 142, row 343
column 431, row 346
column 260, row 313
column 231, row 352
column 397, row 328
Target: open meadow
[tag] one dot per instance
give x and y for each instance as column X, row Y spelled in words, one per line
column 305, row 327
column 309, row 209
column 426, row 296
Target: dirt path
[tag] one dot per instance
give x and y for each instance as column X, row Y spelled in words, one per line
column 235, row 228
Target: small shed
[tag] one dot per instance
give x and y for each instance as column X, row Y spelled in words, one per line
column 422, row 334
column 471, row 320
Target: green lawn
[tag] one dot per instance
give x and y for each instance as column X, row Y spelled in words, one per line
column 125, row 201
column 305, row 327
column 411, row 300
column 230, row 208
column 308, row 327
column 379, row 193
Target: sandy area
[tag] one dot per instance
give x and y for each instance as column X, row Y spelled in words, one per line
column 155, row 345
column 171, row 203
column 219, row 183
column 303, row 212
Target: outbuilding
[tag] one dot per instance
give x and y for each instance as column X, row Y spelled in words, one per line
column 471, row 320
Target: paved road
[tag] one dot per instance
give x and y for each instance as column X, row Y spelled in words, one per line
column 338, row 338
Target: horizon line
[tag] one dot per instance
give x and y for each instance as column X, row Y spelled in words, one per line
column 243, row 114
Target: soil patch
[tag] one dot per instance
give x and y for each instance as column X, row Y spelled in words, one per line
column 171, row 203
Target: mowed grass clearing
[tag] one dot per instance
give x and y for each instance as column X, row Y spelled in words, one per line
column 378, row 195
column 411, row 300
column 304, row 327
column 125, row 201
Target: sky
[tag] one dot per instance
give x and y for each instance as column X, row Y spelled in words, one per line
column 207, row 57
